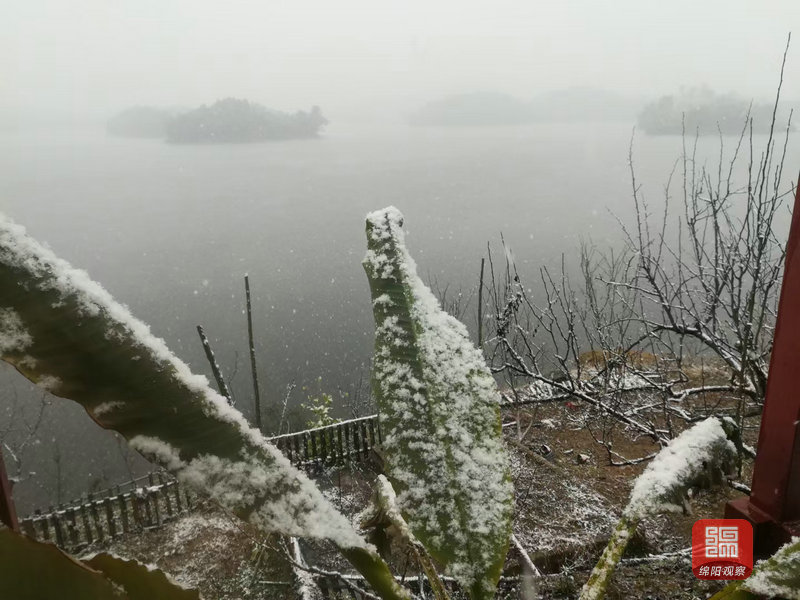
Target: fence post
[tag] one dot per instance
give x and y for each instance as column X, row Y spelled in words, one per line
column 8, row 514
column 340, row 446
column 137, row 510
column 347, row 447
column 112, row 527
column 123, row 512
column 165, row 492
column 298, row 453
column 56, row 520
column 177, row 489
column 154, row 493
column 45, row 526
column 95, row 517
column 72, row 527
column 86, row 525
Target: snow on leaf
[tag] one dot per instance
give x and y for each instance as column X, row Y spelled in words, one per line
column 92, row 350
column 13, row 335
column 778, row 576
column 439, row 414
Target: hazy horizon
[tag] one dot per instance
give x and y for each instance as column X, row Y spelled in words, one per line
column 360, row 60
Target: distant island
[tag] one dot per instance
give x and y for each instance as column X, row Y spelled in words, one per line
column 703, row 112
column 230, row 120
column 492, row 108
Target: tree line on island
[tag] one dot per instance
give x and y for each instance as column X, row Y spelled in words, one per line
column 705, row 112
column 230, row 120
column 698, row 111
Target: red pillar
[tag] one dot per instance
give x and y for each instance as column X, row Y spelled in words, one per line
column 8, row 514
column 774, row 503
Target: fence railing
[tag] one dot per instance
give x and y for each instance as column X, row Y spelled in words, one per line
column 336, row 444
column 154, row 499
column 97, row 519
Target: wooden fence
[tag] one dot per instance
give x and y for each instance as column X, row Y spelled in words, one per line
column 337, row 444
column 150, row 501
column 104, row 516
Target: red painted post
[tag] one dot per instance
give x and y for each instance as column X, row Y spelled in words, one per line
column 8, row 513
column 774, row 503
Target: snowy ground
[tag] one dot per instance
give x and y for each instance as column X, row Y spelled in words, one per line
column 568, row 498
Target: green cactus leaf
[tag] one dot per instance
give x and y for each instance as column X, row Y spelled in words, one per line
column 66, row 333
column 697, row 457
column 36, row 571
column 439, row 416
column 139, row 581
column 776, row 577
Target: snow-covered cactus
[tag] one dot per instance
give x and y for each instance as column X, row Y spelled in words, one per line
column 65, row 332
column 776, row 577
column 698, row 457
column 439, row 414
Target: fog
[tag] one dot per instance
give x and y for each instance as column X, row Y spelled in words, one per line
column 364, row 60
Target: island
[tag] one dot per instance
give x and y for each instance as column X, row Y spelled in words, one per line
column 700, row 111
column 235, row 121
column 230, row 120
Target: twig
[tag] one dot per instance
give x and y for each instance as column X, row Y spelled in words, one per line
column 256, row 394
column 526, row 559
column 223, row 387
column 480, row 306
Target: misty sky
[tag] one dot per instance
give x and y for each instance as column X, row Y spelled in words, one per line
column 87, row 58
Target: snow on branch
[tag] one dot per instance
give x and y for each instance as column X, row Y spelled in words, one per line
column 700, row 455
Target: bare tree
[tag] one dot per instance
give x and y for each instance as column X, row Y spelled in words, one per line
column 695, row 283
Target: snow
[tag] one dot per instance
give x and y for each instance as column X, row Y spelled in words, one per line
column 462, row 449
column 293, row 506
column 190, row 526
column 307, row 588
column 689, row 457
column 107, row 407
column 49, row 382
column 13, row 335
column 152, row 568
column 393, row 513
column 772, row 578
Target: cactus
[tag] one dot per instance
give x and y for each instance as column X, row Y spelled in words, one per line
column 776, row 577
column 439, row 414
column 699, row 456
column 38, row 571
column 64, row 332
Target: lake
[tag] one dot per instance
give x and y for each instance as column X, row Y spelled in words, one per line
column 171, row 230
